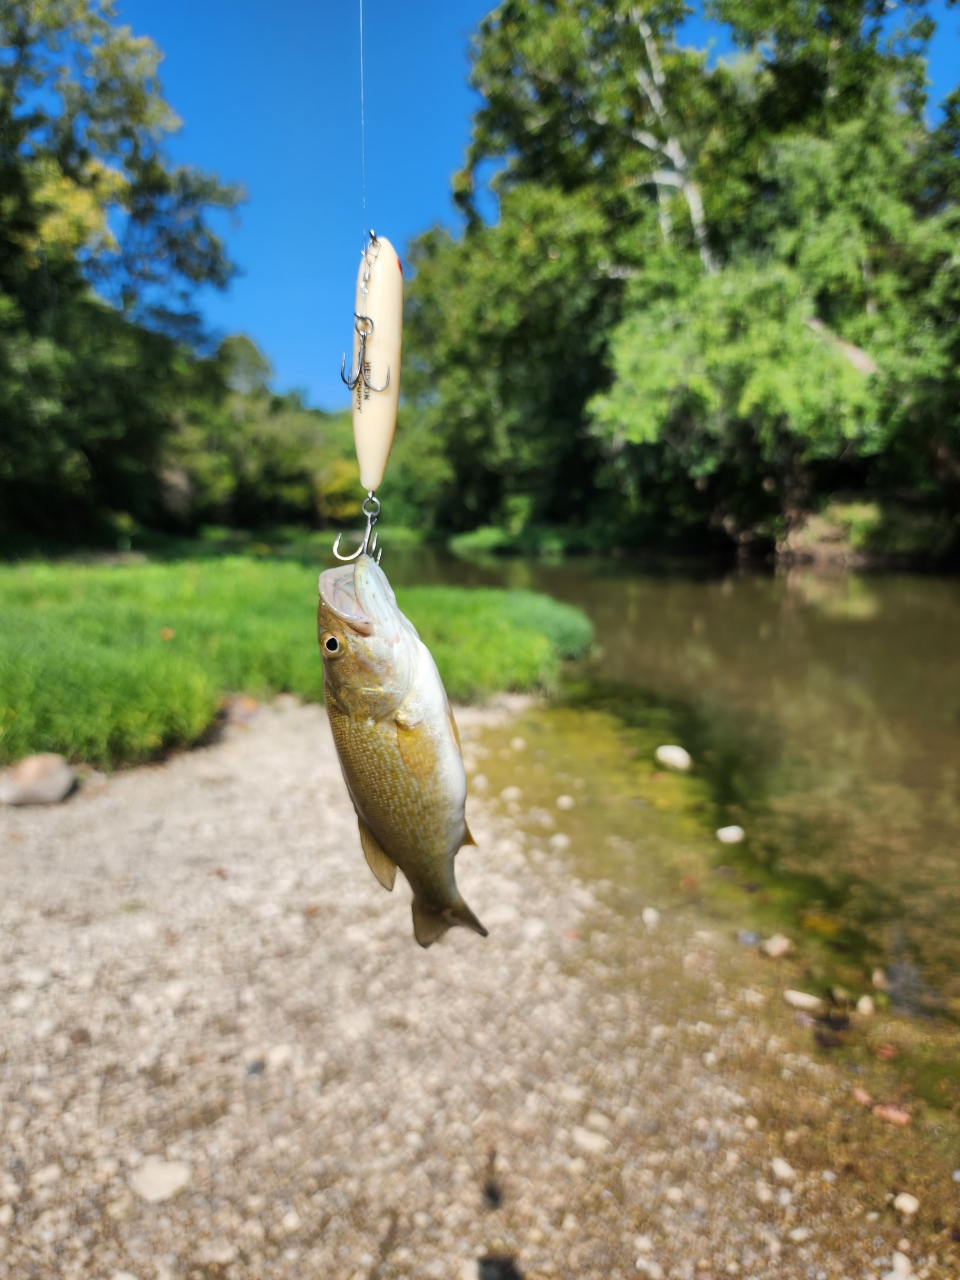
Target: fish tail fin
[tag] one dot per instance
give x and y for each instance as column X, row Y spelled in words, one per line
column 430, row 924
column 460, row 913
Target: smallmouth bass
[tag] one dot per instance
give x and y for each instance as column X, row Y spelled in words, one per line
column 397, row 742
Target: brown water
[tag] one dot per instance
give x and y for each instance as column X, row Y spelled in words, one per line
column 825, row 714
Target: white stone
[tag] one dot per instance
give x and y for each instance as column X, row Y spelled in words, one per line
column 674, row 1194
column 906, row 1203
column 782, row 1170
column 650, row 917
column 674, row 757
column 565, row 802
column 6, row 1215
column 123, row 1275
column 803, row 1000
column 956, row 1175
column 587, row 1140
column 799, row 1234
column 40, row 779
column 777, row 946
column 291, row 1220
column 650, row 1268
column 865, row 1006
column 470, row 1270
column 49, row 1173
column 643, row 1244
column 279, row 1055
column 731, row 835
column 901, row 1267
column 159, row 1180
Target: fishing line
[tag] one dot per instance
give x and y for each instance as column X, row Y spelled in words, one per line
column 363, row 138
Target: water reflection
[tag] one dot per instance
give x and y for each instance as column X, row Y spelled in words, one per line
column 831, row 709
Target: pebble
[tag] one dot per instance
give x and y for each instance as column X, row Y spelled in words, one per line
column 893, row 1115
column 587, row 1140
column 650, row 917
column 159, row 1180
column 861, row 1096
column 747, row 938
column 565, row 802
column 40, row 779
column 782, row 1170
column 123, row 1275
column 731, row 835
column 6, row 1215
column 650, row 1268
column 799, row 1234
column 901, row 1267
column 956, row 1175
column 865, row 1006
column 803, row 1000
column 674, row 757
column 777, row 946
column 906, row 1203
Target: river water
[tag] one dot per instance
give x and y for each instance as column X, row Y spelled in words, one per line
column 823, row 712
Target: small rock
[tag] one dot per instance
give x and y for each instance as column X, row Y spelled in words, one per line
column 803, row 1000
column 893, row 1115
column 782, row 1170
column 674, row 757
column 731, row 835
column 650, row 917
column 906, row 1203
column 49, row 1173
column 880, row 981
column 865, row 1006
column 901, row 1267
column 6, row 1215
column 650, row 1268
column 34, row 976
column 674, row 1194
column 861, row 1096
column 279, row 1056
column 643, row 1244
column 777, row 946
column 587, row 1140
column 565, row 802
column 828, row 1175
column 123, row 1275
column 747, row 938
column 159, row 1180
column 799, row 1234
column 42, row 779
column 291, row 1220
column 509, row 794
column 956, row 1175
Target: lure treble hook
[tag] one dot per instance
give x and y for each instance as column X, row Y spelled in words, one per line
column 364, row 327
column 368, row 547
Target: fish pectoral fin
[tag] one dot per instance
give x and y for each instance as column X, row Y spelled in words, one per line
column 417, row 749
column 453, row 726
column 428, row 925
column 460, row 913
column 467, row 836
column 380, row 863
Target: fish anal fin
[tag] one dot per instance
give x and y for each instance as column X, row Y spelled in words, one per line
column 467, row 836
column 460, row 913
column 428, row 925
column 380, row 863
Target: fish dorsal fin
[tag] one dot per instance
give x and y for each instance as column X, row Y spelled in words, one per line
column 380, row 863
column 467, row 836
column 453, row 726
column 428, row 925
column 417, row 749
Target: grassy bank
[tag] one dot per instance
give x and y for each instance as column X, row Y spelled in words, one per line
column 117, row 664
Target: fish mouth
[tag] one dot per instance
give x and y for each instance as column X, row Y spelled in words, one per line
column 360, row 595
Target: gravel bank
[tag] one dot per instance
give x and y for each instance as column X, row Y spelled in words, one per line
column 222, row 1054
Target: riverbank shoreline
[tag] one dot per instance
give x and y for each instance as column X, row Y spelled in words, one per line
column 224, row 1055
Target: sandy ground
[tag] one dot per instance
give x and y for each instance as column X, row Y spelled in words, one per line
column 222, row 1054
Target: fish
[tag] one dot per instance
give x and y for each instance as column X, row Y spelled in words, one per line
column 397, row 743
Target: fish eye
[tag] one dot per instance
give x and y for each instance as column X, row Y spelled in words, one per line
column 331, row 644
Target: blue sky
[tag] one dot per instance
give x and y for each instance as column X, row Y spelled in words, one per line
column 269, row 94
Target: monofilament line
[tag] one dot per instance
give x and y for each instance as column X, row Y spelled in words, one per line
column 363, row 139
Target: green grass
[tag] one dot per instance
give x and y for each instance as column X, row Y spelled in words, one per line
column 117, row 664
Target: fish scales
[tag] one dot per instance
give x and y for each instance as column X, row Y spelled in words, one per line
column 397, row 743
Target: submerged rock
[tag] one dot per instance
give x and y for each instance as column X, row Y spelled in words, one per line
column 41, row 779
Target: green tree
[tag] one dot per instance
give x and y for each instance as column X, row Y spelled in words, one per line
column 101, row 240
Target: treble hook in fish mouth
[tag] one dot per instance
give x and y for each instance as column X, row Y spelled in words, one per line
column 368, row 547
column 364, row 327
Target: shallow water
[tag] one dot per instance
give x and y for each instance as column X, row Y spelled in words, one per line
column 824, row 713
